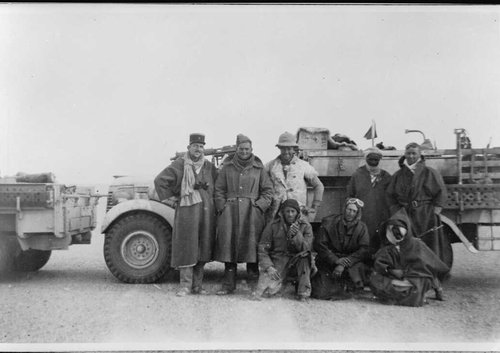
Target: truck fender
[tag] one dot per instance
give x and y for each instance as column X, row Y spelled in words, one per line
column 135, row 205
column 458, row 233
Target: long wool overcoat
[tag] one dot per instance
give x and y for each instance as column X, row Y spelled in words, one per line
column 193, row 237
column 375, row 210
column 242, row 196
column 419, row 193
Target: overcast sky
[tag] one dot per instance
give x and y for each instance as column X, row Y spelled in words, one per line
column 89, row 91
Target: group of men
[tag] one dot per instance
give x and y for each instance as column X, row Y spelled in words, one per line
column 386, row 239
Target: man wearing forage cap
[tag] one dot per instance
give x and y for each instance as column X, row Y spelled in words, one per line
column 243, row 193
column 188, row 185
column 291, row 176
column 369, row 183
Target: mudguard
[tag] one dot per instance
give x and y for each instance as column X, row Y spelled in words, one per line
column 135, row 205
column 459, row 233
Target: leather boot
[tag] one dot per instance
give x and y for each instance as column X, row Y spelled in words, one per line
column 198, row 279
column 229, row 282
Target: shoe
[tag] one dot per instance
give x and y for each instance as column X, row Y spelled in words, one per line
column 199, row 291
column 439, row 294
column 302, row 298
column 255, row 297
column 182, row 292
column 224, row 291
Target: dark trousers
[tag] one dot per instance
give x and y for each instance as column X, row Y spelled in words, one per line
column 230, row 271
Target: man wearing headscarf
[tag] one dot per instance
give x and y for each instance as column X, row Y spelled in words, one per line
column 243, row 193
column 285, row 249
column 188, row 185
column 406, row 269
column 369, row 183
column 342, row 244
column 291, row 176
column 420, row 190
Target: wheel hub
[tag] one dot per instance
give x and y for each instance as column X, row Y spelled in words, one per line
column 139, row 249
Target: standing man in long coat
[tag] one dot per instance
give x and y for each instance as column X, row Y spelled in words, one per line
column 369, row 183
column 291, row 176
column 188, row 185
column 421, row 191
column 243, row 193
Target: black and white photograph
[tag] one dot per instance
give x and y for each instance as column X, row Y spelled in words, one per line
column 249, row 177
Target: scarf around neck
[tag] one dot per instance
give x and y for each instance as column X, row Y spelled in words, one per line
column 243, row 163
column 411, row 167
column 190, row 196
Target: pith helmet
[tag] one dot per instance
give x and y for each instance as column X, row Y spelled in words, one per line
column 287, row 139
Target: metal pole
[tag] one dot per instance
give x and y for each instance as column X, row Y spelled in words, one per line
column 459, row 133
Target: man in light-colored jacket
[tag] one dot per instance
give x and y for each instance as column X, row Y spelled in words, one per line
column 291, row 176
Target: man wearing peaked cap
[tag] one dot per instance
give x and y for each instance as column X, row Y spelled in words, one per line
column 369, row 183
column 188, row 186
column 197, row 138
column 291, row 176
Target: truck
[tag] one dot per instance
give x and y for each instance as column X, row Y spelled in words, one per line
column 38, row 215
column 138, row 227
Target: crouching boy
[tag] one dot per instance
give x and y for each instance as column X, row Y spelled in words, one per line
column 285, row 251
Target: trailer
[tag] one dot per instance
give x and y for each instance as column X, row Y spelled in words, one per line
column 38, row 215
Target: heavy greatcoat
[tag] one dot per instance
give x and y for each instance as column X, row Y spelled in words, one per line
column 419, row 194
column 241, row 196
column 375, row 210
column 193, row 237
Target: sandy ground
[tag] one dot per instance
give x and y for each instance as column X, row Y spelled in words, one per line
column 74, row 299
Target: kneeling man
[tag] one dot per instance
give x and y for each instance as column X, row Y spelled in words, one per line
column 285, row 250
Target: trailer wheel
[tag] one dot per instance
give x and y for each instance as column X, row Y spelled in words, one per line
column 137, row 248
column 31, row 260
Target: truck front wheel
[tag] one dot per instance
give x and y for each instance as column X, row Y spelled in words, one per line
column 137, row 248
column 31, row 260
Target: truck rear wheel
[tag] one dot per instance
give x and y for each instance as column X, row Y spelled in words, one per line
column 31, row 260
column 8, row 249
column 446, row 253
column 137, row 248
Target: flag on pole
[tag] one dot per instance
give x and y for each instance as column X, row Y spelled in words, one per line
column 372, row 132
